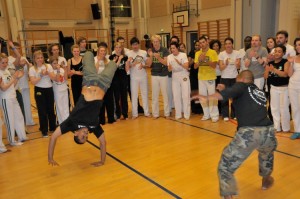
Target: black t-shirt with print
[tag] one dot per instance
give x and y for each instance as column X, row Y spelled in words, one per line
column 274, row 79
column 84, row 114
column 250, row 104
column 157, row 68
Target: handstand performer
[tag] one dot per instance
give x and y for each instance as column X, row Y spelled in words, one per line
column 84, row 117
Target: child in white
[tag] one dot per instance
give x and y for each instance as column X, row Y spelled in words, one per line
column 60, row 89
column 178, row 63
column 14, row 119
column 138, row 77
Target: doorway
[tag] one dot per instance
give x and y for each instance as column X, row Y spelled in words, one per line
column 191, row 38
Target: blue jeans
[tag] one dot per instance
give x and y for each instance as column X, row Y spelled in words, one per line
column 91, row 76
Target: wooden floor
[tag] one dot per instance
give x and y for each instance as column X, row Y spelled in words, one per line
column 146, row 159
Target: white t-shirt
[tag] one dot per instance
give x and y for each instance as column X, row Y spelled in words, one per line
column 45, row 82
column 62, row 59
column 12, row 68
column 182, row 58
column 139, row 57
column 218, row 71
column 23, row 81
column 230, row 71
column 10, row 92
column 242, row 55
column 60, row 85
column 294, row 81
column 101, row 64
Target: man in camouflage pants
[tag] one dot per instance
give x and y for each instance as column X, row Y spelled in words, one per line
column 255, row 131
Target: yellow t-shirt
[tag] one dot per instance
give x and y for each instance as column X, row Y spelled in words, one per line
column 205, row 72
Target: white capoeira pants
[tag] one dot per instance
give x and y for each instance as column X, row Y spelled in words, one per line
column 2, row 146
column 170, row 94
column 27, row 106
column 137, row 83
column 210, row 108
column 294, row 95
column 259, row 82
column 181, row 95
column 61, row 104
column 14, row 119
column 160, row 83
column 280, row 107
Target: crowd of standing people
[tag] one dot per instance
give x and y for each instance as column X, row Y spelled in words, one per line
column 254, row 75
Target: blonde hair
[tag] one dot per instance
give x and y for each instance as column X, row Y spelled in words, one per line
column 74, row 46
column 155, row 37
column 35, row 54
column 3, row 56
column 120, row 45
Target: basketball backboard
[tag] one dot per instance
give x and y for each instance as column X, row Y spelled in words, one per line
column 181, row 17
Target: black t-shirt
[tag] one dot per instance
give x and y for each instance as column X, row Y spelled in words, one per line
column 249, row 103
column 120, row 72
column 122, row 62
column 192, row 54
column 274, row 79
column 84, row 114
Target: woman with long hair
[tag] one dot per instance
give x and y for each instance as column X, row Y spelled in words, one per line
column 75, row 72
column 101, row 62
column 119, row 83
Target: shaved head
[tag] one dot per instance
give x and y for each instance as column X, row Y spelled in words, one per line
column 245, row 76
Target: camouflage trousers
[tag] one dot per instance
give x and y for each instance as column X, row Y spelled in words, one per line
column 243, row 144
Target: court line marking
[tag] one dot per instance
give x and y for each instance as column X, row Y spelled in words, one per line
column 211, row 131
column 137, row 172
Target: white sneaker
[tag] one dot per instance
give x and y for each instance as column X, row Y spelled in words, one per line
column 3, row 150
column 215, row 120
column 205, row 118
column 45, row 136
column 24, row 139
column 16, row 143
column 226, row 119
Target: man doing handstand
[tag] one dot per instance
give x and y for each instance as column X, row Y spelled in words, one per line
column 84, row 117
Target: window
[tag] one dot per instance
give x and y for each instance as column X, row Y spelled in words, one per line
column 120, row 8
